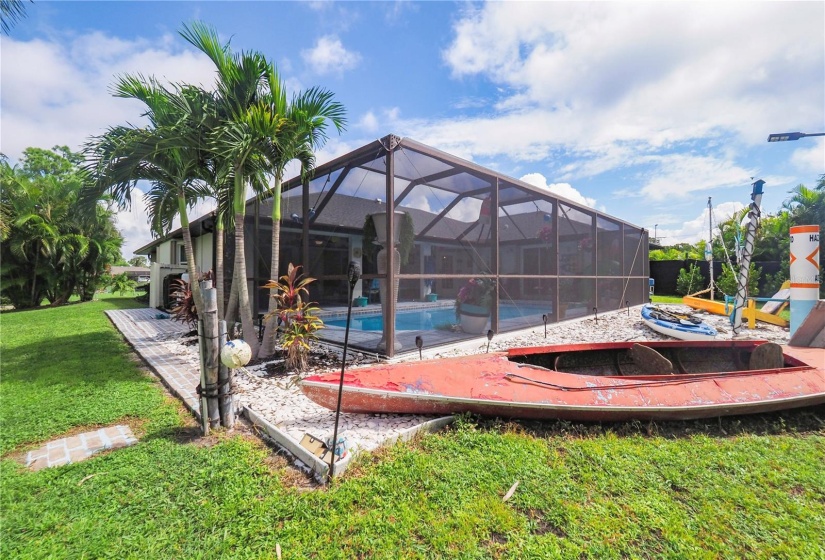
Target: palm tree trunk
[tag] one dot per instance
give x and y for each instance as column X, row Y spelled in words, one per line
column 219, row 280
column 34, row 277
column 239, row 276
column 268, row 344
column 247, row 324
column 194, row 277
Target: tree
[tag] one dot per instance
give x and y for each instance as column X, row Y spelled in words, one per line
column 50, row 248
column 138, row 261
column 11, row 11
column 308, row 116
column 122, row 284
column 161, row 153
column 248, row 138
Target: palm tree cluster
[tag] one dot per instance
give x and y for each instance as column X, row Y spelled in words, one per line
column 49, row 248
column 214, row 143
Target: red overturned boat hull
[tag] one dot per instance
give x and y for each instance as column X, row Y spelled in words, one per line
column 513, row 384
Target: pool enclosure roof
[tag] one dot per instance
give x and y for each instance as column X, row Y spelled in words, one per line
column 450, row 182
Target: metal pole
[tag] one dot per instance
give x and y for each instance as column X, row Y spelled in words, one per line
column 747, row 251
column 353, row 275
column 709, row 248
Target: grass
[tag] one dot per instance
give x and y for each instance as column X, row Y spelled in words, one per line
column 666, row 299
column 734, row 488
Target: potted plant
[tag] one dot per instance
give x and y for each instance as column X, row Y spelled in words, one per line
column 473, row 304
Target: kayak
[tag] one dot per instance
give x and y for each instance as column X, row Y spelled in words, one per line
column 661, row 380
column 681, row 326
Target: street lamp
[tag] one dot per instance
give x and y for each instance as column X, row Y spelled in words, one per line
column 787, row 136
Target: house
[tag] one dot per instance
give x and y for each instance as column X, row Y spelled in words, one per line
column 552, row 259
column 139, row 274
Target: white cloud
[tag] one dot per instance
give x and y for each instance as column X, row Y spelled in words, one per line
column 693, row 230
column 811, row 159
column 561, row 189
column 329, row 56
column 60, row 93
column 57, row 92
column 369, row 122
column 682, row 175
column 608, row 83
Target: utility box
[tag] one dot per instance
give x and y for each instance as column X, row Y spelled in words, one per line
column 651, row 283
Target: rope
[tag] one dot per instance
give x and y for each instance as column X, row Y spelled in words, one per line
column 630, row 272
column 514, row 376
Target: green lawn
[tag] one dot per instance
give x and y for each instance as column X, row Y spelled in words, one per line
column 731, row 489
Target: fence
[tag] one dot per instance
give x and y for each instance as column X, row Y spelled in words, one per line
column 665, row 273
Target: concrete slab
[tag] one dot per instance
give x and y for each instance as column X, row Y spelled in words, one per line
column 80, row 447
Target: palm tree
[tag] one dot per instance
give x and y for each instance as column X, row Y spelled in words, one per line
column 248, row 94
column 11, row 11
column 309, row 115
column 161, row 153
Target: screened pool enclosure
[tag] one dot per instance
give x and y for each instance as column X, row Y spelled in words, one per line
column 514, row 253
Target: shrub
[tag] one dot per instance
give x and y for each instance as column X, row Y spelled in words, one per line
column 183, row 306
column 689, row 281
column 727, row 281
column 121, row 284
column 297, row 319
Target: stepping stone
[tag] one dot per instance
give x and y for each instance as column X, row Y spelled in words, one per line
column 80, row 447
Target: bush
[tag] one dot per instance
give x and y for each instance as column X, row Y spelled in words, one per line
column 121, row 284
column 297, row 319
column 727, row 281
column 689, row 281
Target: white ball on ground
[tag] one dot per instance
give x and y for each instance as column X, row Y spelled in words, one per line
column 236, row 353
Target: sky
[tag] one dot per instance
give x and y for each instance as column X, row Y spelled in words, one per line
column 639, row 110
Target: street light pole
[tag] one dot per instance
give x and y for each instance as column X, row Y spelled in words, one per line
column 788, row 136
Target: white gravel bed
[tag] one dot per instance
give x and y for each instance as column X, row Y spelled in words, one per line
column 278, row 398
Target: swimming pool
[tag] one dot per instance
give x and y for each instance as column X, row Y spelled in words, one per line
column 431, row 318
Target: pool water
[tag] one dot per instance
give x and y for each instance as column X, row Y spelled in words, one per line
column 428, row 319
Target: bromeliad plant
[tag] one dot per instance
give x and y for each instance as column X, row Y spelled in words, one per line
column 297, row 319
column 183, row 303
column 183, row 307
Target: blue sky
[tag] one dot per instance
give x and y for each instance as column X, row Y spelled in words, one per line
column 641, row 110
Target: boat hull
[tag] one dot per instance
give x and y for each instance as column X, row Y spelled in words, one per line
column 495, row 385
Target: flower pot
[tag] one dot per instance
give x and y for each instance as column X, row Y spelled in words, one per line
column 380, row 221
column 432, row 297
column 361, row 301
column 473, row 318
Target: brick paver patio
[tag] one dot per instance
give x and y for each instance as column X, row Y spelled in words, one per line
column 141, row 328
column 80, row 447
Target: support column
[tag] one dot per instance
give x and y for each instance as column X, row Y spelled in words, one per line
column 494, row 257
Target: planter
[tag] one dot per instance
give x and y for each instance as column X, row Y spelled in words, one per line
column 361, row 301
column 473, row 318
column 432, row 297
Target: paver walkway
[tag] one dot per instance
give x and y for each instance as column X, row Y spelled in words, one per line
column 141, row 328
column 80, row 447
